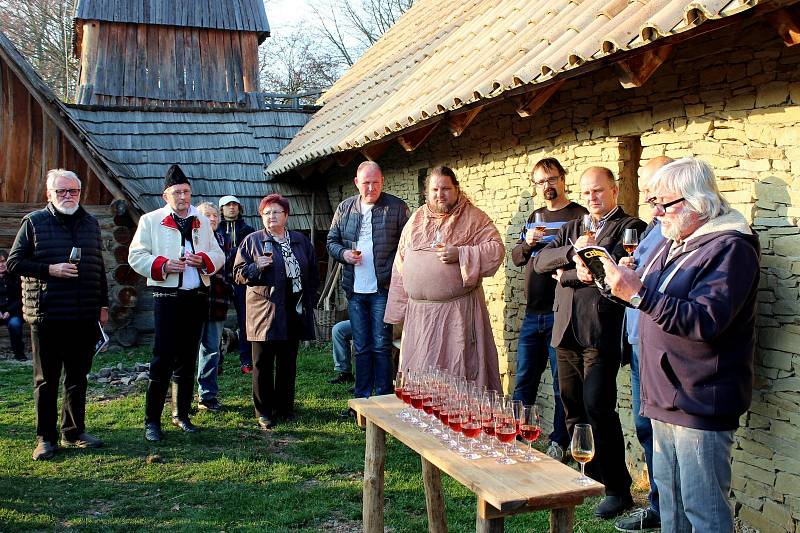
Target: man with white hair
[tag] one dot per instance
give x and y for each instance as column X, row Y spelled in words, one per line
column 64, row 298
column 697, row 297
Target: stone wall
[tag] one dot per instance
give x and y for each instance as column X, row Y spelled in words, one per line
column 731, row 99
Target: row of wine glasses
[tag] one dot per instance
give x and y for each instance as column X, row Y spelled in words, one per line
column 454, row 409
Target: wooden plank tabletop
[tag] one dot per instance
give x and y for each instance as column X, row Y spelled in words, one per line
column 510, row 489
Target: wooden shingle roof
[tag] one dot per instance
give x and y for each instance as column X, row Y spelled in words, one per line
column 222, row 152
column 235, row 15
column 445, row 57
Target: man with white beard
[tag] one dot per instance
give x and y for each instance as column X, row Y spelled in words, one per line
column 64, row 298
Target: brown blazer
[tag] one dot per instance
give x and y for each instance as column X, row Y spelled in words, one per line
column 595, row 320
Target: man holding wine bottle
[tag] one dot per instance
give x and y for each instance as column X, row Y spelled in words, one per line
column 697, row 297
column 175, row 249
column 587, row 332
column 533, row 349
column 63, row 301
column 363, row 237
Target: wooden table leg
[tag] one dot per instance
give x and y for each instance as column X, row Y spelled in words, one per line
column 437, row 517
column 374, row 461
column 487, row 525
column 561, row 520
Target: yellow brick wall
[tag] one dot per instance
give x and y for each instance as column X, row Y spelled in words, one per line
column 733, row 101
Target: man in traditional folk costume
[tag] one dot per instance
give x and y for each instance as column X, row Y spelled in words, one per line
column 447, row 247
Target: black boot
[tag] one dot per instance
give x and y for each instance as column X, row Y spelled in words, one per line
column 153, row 405
column 181, row 403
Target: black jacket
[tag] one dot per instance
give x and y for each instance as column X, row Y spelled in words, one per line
column 45, row 238
column 389, row 216
column 232, row 233
column 595, row 320
column 10, row 295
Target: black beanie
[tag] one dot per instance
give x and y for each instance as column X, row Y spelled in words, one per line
column 175, row 176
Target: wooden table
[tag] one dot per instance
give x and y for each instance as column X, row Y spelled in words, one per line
column 501, row 490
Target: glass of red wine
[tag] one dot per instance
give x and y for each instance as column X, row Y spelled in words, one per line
column 529, row 430
column 471, row 426
column 399, row 381
column 505, row 430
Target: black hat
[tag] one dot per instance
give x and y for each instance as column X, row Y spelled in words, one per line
column 175, row 176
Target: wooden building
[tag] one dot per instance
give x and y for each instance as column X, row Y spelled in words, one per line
column 160, row 83
column 490, row 87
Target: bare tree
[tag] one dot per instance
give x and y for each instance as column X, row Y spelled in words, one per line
column 291, row 62
column 42, row 31
column 352, row 26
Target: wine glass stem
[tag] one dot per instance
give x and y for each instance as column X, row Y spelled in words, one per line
column 583, row 470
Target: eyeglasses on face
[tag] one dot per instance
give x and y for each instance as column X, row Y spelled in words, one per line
column 184, row 192
column 550, row 180
column 270, row 213
column 61, row 193
column 657, row 205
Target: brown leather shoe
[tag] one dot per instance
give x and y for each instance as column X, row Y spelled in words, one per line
column 44, row 450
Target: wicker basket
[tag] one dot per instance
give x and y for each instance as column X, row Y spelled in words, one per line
column 325, row 312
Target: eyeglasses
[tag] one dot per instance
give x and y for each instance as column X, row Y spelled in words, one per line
column 176, row 194
column 270, row 213
column 64, row 192
column 657, row 205
column 551, row 180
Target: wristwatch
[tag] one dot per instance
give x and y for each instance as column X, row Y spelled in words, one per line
column 636, row 299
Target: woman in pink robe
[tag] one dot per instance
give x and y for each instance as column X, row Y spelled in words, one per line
column 442, row 305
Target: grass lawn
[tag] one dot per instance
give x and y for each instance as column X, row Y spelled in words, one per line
column 303, row 476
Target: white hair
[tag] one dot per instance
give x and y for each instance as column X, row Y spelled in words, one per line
column 694, row 180
column 56, row 173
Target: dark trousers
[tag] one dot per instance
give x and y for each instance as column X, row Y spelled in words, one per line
column 179, row 319
column 14, row 326
column 588, row 380
column 245, row 347
column 55, row 345
column 274, row 374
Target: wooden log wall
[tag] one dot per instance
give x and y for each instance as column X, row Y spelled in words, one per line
column 150, row 65
column 130, row 301
column 30, row 145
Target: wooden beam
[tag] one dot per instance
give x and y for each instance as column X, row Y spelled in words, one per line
column 786, row 22
column 532, row 102
column 374, row 151
column 635, row 71
column 306, row 171
column 343, row 158
column 432, row 480
column 459, row 122
column 374, row 462
column 412, row 140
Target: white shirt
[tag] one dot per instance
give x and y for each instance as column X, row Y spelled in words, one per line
column 191, row 277
column 365, row 281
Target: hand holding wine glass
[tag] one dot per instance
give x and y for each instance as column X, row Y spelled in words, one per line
column 582, row 448
column 265, row 259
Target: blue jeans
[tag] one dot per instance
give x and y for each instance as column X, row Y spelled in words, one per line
column 245, row 349
column 208, row 360
column 14, row 326
column 644, row 430
column 341, row 335
column 693, row 472
column 533, row 352
column 372, row 339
